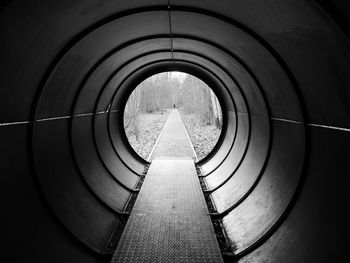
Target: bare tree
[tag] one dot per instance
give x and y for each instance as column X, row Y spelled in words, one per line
column 198, row 99
column 131, row 112
column 217, row 110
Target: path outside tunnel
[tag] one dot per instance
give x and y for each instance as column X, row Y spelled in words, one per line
column 170, row 221
column 173, row 140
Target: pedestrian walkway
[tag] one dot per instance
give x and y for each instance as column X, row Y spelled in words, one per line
column 170, row 221
column 173, row 140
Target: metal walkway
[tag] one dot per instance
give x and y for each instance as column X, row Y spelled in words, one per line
column 173, row 140
column 170, row 221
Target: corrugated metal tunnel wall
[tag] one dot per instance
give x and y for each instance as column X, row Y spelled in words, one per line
column 279, row 176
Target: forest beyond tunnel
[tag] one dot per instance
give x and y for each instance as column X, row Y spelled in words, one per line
column 149, row 104
column 277, row 177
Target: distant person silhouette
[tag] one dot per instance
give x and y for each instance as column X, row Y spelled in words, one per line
column 174, row 106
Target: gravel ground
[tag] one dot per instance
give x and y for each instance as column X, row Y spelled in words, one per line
column 150, row 128
column 203, row 138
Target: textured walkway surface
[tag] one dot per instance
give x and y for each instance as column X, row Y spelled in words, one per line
column 170, row 220
column 173, row 140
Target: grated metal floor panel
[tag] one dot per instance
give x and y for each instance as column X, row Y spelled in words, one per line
column 170, row 221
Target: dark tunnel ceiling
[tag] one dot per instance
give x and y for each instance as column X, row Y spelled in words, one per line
column 280, row 70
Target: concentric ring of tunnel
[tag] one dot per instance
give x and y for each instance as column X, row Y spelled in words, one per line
column 264, row 175
column 249, row 165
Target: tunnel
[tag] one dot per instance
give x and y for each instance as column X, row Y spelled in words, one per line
column 278, row 175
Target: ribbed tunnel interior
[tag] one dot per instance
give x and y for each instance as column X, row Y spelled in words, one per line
column 278, row 175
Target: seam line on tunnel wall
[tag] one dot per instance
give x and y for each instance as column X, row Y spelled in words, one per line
column 53, row 118
column 170, row 31
column 329, row 127
column 14, row 123
column 286, row 120
column 314, row 125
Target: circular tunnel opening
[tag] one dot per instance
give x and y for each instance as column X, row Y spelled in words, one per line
column 147, row 110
